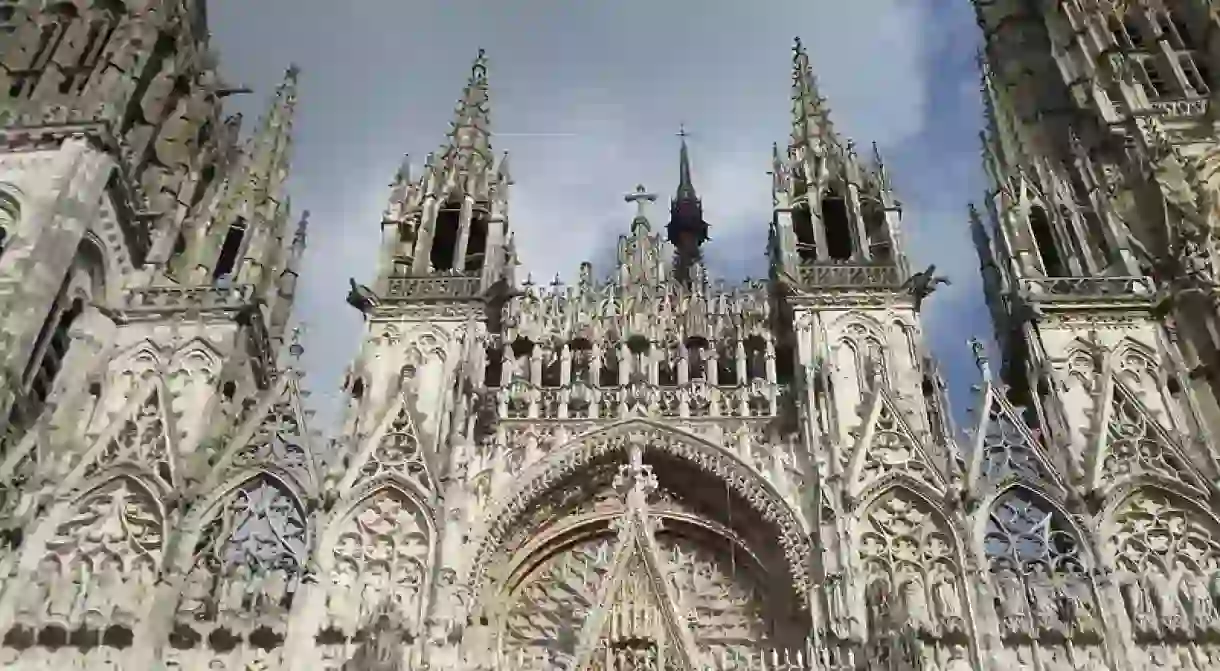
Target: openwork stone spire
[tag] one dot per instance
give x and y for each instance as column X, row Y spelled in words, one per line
column 470, row 134
column 810, row 113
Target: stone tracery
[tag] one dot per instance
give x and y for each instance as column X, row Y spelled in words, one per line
column 247, row 563
column 101, row 562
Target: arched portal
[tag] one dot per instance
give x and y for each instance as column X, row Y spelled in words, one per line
column 727, row 581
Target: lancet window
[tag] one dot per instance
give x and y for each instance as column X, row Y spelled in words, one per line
column 249, row 559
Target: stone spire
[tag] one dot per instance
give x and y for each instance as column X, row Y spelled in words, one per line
column 470, row 134
column 810, row 113
column 686, row 229
column 270, row 148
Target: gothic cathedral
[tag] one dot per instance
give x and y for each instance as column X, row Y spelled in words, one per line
column 644, row 470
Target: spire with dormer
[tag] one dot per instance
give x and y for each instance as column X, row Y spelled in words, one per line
column 687, row 230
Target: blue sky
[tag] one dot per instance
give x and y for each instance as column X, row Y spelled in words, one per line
column 588, row 97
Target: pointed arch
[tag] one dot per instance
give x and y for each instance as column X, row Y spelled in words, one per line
column 93, row 560
column 1037, row 559
column 199, row 348
column 887, row 448
column 1135, row 361
column 1164, row 551
column 910, row 553
column 582, row 451
column 375, row 553
column 242, row 554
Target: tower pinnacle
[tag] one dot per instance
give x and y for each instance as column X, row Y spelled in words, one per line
column 810, row 114
column 470, row 134
column 686, row 229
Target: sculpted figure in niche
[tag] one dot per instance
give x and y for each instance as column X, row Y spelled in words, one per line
column 1168, row 607
column 915, row 604
column 1199, row 603
column 1139, row 607
column 948, row 604
column 1011, row 602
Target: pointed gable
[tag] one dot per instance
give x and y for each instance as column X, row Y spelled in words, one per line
column 139, row 436
column 635, row 601
column 1006, row 449
column 274, row 435
column 888, row 448
column 1131, row 443
column 396, row 448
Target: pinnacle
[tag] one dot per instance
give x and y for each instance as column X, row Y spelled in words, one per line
column 810, row 114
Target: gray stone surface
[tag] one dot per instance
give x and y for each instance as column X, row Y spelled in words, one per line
column 644, row 470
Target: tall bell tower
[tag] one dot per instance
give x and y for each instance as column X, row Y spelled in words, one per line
column 872, row 405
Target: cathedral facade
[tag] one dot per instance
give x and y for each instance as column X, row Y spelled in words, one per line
column 647, row 468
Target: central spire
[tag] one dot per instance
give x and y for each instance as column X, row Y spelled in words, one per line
column 686, row 229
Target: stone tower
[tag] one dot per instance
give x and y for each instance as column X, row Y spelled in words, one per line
column 147, row 273
column 645, row 469
column 1098, row 245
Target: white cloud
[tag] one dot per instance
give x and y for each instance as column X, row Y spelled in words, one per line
column 610, row 80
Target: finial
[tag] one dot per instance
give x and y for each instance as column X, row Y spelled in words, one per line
column 980, row 358
column 296, row 349
column 302, row 228
column 682, row 130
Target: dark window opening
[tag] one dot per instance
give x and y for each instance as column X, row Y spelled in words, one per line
column 1183, row 32
column 667, row 372
column 785, row 364
column 726, row 374
column 357, row 390
column 229, row 390
column 1157, row 86
column 552, row 373
column 756, row 358
column 802, row 226
column 444, row 241
column 1044, row 238
column 1078, row 249
column 495, row 367
column 226, row 263
column 1196, row 76
column 696, row 357
column 1097, row 237
column 476, row 244
column 608, row 376
column 53, row 344
column 3, row 238
column 582, row 360
column 838, row 228
column 880, row 247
